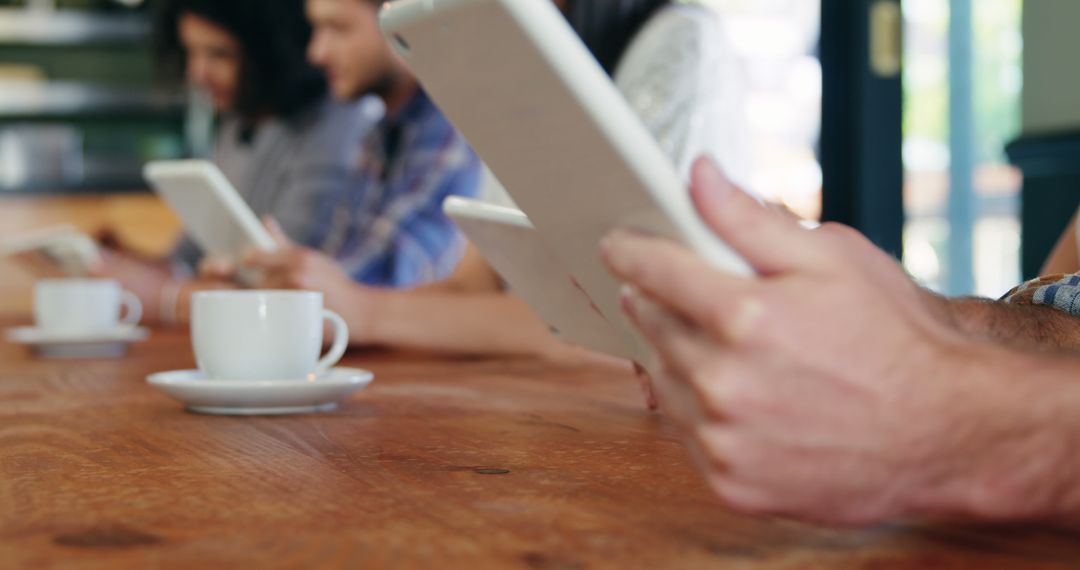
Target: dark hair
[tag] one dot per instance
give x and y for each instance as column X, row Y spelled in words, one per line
column 608, row 26
column 275, row 76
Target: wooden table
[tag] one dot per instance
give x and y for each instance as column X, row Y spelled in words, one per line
column 439, row 464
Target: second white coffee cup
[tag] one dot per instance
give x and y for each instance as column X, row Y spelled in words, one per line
column 263, row 335
column 83, row 305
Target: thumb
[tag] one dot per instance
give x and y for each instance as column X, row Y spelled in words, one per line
column 770, row 242
column 213, row 267
column 276, row 232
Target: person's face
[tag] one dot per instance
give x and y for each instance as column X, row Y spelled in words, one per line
column 213, row 59
column 348, row 45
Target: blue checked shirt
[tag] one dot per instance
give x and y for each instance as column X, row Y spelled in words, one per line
column 388, row 228
column 1061, row 292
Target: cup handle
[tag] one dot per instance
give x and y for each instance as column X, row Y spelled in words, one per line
column 341, row 341
column 132, row 308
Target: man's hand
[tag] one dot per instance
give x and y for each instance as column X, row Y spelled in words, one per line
column 827, row 388
column 295, row 267
column 215, row 268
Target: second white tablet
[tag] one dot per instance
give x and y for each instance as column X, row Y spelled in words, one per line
column 214, row 214
column 514, row 248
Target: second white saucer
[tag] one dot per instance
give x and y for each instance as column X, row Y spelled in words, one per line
column 261, row 397
column 112, row 342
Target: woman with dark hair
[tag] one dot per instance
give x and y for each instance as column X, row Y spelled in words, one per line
column 282, row 141
column 258, row 45
column 674, row 77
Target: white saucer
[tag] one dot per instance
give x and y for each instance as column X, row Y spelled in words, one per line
column 90, row 344
column 261, row 397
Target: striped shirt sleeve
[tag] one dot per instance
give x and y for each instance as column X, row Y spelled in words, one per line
column 1061, row 292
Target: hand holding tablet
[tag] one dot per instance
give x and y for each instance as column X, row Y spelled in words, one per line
column 213, row 212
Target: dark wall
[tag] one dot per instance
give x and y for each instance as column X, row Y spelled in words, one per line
column 1050, row 195
column 861, row 134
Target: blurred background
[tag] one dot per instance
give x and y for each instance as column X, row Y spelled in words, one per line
column 78, row 107
column 891, row 116
column 80, row 112
column 961, row 226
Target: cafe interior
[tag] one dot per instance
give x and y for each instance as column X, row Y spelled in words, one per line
column 944, row 131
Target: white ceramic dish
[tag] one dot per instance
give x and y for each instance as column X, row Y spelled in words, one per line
column 109, row 343
column 319, row 393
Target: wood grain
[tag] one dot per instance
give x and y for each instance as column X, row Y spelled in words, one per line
column 142, row 221
column 439, row 464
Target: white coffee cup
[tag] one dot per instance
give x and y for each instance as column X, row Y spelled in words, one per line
column 83, row 305
column 263, row 335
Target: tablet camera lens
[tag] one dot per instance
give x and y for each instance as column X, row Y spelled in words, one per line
column 401, row 45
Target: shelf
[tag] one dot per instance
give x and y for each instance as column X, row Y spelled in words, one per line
column 127, row 185
column 66, row 28
column 56, row 100
column 99, row 175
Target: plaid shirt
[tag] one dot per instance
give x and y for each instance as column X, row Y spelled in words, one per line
column 388, row 228
column 1061, row 292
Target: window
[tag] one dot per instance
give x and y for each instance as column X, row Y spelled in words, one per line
column 962, row 240
column 777, row 40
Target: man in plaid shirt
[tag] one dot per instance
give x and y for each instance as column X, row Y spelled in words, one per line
column 387, row 229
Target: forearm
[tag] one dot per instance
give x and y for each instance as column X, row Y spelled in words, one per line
column 482, row 323
column 1064, row 258
column 170, row 304
column 473, row 274
column 1010, row 450
column 1022, row 326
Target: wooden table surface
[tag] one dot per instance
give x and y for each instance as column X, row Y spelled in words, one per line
column 439, row 464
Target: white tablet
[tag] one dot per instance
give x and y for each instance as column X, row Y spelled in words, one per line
column 214, row 214
column 514, row 248
column 516, row 80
